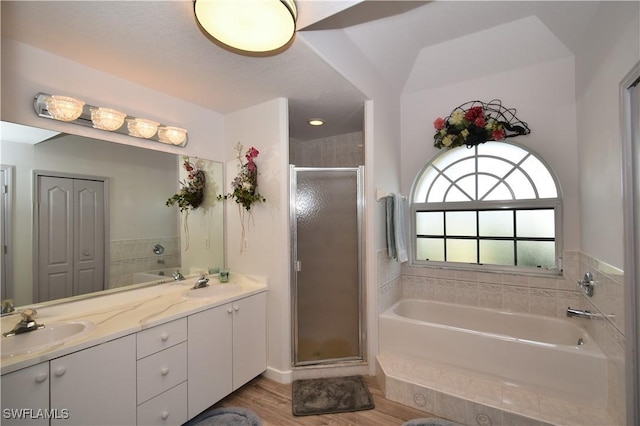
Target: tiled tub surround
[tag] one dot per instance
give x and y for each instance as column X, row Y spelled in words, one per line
column 136, row 255
column 528, row 294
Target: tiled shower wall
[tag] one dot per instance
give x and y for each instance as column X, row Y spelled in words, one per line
column 335, row 151
column 136, row 255
column 525, row 293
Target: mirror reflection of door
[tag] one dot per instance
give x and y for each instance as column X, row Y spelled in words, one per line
column 71, row 237
column 6, row 190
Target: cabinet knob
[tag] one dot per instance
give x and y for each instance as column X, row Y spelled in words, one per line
column 60, row 371
column 41, row 377
column 236, row 308
column 164, row 337
column 164, row 415
column 164, row 371
column 229, row 311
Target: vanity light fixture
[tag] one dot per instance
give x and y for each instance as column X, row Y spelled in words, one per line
column 316, row 122
column 64, row 108
column 71, row 110
column 248, row 25
column 107, row 118
column 141, row 127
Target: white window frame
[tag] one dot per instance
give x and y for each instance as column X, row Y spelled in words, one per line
column 542, row 203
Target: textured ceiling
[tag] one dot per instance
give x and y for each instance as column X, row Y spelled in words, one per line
column 413, row 45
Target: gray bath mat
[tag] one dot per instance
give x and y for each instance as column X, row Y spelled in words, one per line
column 226, row 416
column 430, row 421
column 330, row 395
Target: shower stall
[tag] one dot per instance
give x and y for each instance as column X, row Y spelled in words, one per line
column 326, row 210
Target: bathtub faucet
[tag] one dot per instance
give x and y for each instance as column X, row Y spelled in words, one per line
column 579, row 313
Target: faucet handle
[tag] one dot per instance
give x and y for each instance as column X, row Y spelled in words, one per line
column 28, row 314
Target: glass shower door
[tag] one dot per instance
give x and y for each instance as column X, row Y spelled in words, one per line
column 326, row 217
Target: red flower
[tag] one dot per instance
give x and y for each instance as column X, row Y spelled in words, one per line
column 498, row 135
column 188, row 167
column 472, row 113
column 480, row 121
column 439, row 123
column 251, row 154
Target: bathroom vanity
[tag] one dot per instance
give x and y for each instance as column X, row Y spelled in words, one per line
column 154, row 355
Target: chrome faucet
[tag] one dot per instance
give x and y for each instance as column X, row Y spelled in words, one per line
column 178, row 276
column 203, row 281
column 579, row 313
column 27, row 323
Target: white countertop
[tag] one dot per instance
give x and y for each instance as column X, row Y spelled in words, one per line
column 122, row 313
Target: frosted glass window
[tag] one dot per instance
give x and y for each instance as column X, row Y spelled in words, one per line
column 430, row 223
column 465, row 251
column 536, row 254
column 430, row 249
column 536, row 223
column 496, row 223
column 494, row 252
column 461, row 223
column 500, row 204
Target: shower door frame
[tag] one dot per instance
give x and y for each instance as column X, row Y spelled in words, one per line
column 362, row 337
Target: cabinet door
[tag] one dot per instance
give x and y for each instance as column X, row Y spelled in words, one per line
column 97, row 386
column 209, row 356
column 25, row 396
column 249, row 338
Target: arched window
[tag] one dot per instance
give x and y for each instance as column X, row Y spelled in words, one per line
column 497, row 205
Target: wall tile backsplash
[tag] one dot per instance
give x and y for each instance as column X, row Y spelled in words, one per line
column 136, row 255
column 539, row 295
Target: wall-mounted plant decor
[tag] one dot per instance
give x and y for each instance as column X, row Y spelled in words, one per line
column 190, row 195
column 476, row 122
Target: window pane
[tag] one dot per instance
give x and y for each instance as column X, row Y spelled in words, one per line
column 503, row 150
column 461, row 223
column 430, row 223
column 462, row 251
column 501, row 192
column 450, row 156
column 540, row 174
column 430, row 249
column 459, row 169
column 455, row 194
column 520, row 185
column 485, row 183
column 468, row 185
column 535, row 223
column 438, row 189
column 536, row 254
column 496, row 223
column 497, row 252
column 494, row 166
column 420, row 195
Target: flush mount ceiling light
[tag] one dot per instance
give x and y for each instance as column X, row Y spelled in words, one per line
column 107, row 118
column 74, row 111
column 316, row 122
column 248, row 25
column 64, row 108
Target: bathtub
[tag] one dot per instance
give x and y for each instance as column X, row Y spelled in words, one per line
column 532, row 350
column 154, row 275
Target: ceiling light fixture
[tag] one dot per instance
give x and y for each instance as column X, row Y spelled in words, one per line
column 248, row 25
column 74, row 111
column 316, row 122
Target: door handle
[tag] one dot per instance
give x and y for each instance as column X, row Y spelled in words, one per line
column 298, row 266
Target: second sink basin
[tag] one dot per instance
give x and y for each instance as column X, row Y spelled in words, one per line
column 43, row 338
column 213, row 290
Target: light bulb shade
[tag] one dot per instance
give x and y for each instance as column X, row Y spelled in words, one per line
column 142, row 128
column 64, row 108
column 107, row 118
column 172, row 135
column 249, row 25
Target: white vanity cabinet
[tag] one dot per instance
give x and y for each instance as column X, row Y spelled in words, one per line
column 24, row 392
column 96, row 386
column 227, row 348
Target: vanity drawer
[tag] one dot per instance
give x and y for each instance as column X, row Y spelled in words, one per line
column 161, row 337
column 168, row 408
column 161, row 371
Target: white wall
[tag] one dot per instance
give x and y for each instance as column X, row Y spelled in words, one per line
column 267, row 253
column 544, row 97
column 610, row 49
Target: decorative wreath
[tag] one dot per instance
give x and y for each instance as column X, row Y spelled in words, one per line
column 476, row 122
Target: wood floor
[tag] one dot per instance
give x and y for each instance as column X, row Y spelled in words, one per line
column 271, row 401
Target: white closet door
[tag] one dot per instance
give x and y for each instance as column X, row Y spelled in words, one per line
column 88, row 236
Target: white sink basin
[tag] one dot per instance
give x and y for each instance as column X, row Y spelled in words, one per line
column 43, row 338
column 214, row 290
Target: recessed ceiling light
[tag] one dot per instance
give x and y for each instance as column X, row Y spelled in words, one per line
column 316, row 122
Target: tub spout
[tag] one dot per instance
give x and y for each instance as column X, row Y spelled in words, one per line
column 579, row 313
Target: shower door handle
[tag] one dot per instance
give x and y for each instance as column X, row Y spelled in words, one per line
column 298, row 266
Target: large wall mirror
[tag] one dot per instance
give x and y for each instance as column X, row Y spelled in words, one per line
column 83, row 215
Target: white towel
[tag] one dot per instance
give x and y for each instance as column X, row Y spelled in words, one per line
column 396, row 244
